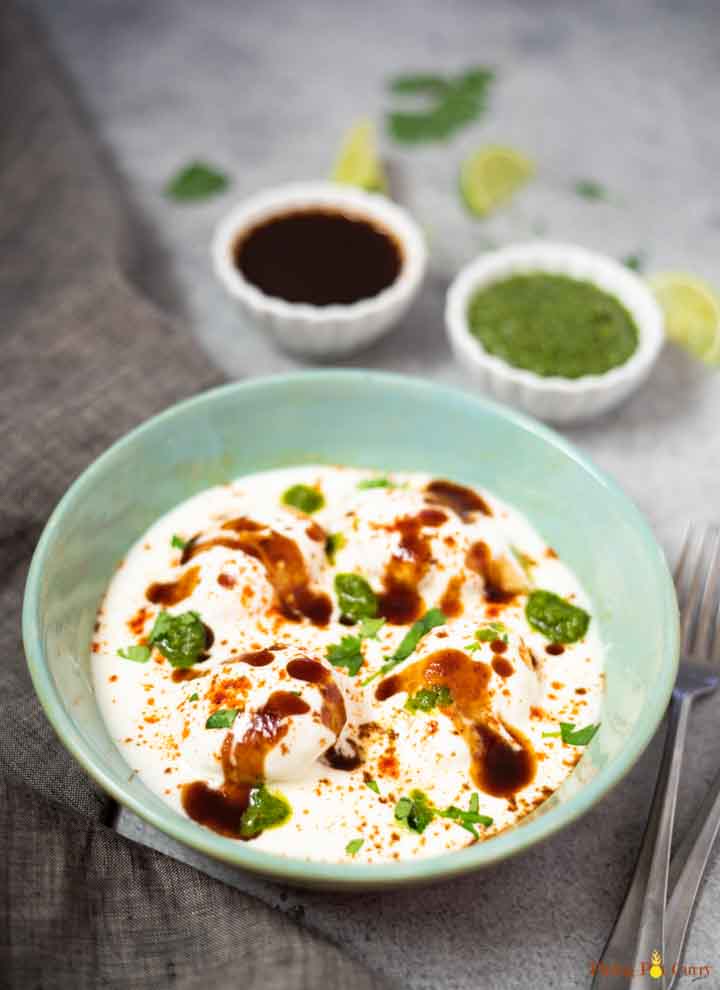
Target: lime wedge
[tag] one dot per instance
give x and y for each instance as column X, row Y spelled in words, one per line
column 358, row 163
column 490, row 176
column 692, row 313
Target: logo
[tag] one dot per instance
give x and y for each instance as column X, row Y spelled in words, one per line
column 656, row 968
column 652, row 968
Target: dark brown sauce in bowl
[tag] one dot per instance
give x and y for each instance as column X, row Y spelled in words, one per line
column 173, row 592
column 319, row 255
column 283, row 562
column 501, row 763
column 400, row 602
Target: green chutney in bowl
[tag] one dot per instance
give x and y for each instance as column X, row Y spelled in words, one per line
column 562, row 332
column 553, row 325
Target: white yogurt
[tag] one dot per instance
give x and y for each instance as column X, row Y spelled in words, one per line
column 159, row 722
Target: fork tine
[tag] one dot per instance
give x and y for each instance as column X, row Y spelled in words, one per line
column 689, row 575
column 683, row 568
column 714, row 653
column 702, row 647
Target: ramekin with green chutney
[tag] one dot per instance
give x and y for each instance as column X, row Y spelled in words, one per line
column 562, row 332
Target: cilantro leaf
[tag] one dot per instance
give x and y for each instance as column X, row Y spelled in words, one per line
column 354, row 846
column 428, row 698
column 577, row 737
column 138, row 654
column 572, row 736
column 434, row 617
column 348, row 652
column 196, row 181
column 180, row 638
column 403, row 808
column 304, row 498
column 369, row 628
column 451, row 103
column 356, row 598
column 476, row 81
column 223, row 718
column 373, row 785
column 488, row 633
column 415, row 811
column 178, row 542
column 375, row 483
column 635, row 262
column 264, row 811
column 555, row 617
column 194, row 696
column 590, row 189
column 470, row 818
column 437, row 124
column 333, row 543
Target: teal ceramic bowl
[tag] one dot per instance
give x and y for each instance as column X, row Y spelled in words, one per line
column 390, row 423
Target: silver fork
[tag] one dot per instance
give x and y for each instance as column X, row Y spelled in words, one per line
column 688, row 866
column 640, row 927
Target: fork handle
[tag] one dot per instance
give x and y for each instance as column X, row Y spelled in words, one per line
column 639, row 929
column 691, row 859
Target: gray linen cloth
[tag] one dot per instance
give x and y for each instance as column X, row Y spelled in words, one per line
column 84, row 357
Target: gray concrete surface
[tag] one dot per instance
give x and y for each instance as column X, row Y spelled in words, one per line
column 623, row 92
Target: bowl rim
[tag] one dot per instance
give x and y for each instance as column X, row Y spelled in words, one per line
column 300, row 195
column 348, row 875
column 555, row 257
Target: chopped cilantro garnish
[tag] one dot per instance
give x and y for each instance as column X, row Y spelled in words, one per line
column 178, row 542
column 488, row 633
column 470, row 818
column 590, row 189
column 223, row 718
column 369, row 628
column 416, row 811
column 180, row 638
column 354, row 846
column 373, row 785
column 403, row 808
column 451, row 102
column 264, row 811
column 635, row 262
column 556, row 618
column 138, row 654
column 194, row 697
column 196, row 181
column 333, row 543
column 375, row 483
column 426, row 699
column 348, row 652
column 356, row 598
column 572, row 736
column 304, row 498
column 434, row 617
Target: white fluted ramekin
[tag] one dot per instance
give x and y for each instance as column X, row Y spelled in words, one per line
column 322, row 331
column 555, row 399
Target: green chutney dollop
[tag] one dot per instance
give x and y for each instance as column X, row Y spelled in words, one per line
column 552, row 325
